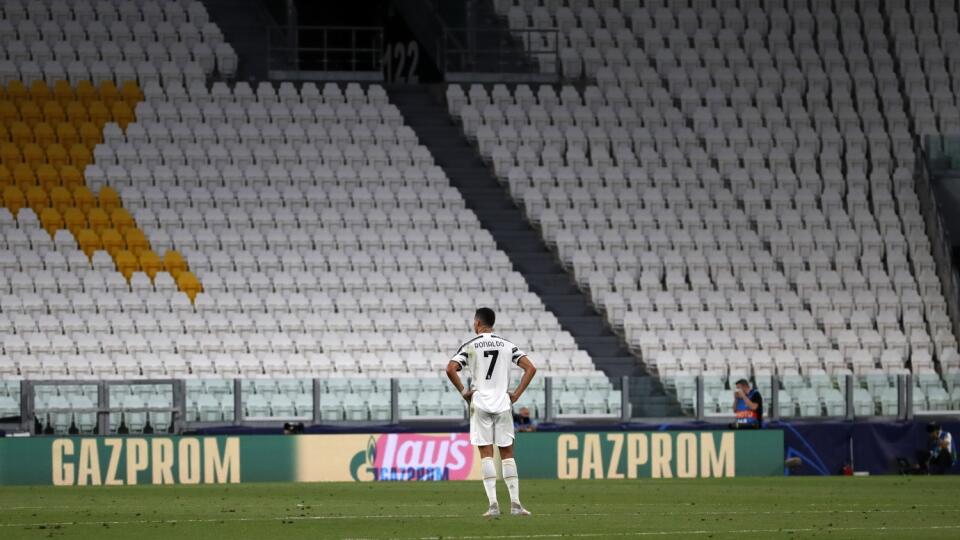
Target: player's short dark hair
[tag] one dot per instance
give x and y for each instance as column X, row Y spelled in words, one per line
column 486, row 316
column 743, row 381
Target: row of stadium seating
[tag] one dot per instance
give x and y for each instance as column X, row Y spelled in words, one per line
column 113, row 40
column 114, row 196
column 366, row 399
column 743, row 206
column 96, row 223
column 341, row 399
column 733, row 185
column 261, row 286
column 321, row 234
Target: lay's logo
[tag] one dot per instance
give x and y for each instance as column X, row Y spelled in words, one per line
column 411, row 456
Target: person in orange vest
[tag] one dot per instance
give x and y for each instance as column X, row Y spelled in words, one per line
column 747, row 406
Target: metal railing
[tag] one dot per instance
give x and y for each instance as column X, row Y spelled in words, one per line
column 325, row 52
column 477, row 54
column 703, row 398
column 103, row 408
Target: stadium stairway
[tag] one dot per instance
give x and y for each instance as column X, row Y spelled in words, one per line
column 423, row 109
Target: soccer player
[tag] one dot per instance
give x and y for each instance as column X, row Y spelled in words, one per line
column 489, row 356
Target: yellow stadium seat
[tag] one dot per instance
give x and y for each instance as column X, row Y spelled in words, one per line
column 83, row 198
column 33, row 154
column 109, row 199
column 53, row 112
column 60, row 198
column 30, row 112
column 14, row 199
column 189, row 284
column 112, row 241
column 109, row 93
column 131, row 93
column 122, row 114
column 62, row 91
column 126, row 262
column 89, row 241
column 99, row 113
column 174, row 264
column 98, row 219
column 90, row 134
column 20, row 133
column 67, row 134
column 74, row 220
column 4, row 133
column 8, row 112
column 10, row 154
column 37, row 198
column 51, row 219
column 150, row 263
column 43, row 134
column 80, row 156
column 24, row 176
column 77, row 112
column 70, row 176
column 6, row 177
column 136, row 241
column 40, row 92
column 86, row 92
column 16, row 91
column 57, row 155
column 121, row 219
column 47, row 176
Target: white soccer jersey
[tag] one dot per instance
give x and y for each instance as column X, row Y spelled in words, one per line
column 488, row 357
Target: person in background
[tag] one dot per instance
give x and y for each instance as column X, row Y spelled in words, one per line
column 522, row 420
column 941, row 454
column 747, row 406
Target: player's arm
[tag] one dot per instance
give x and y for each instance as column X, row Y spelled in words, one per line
column 529, row 370
column 453, row 373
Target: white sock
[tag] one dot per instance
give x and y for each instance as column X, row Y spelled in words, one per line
column 489, row 473
column 510, row 478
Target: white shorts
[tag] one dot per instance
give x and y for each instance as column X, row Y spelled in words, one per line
column 491, row 428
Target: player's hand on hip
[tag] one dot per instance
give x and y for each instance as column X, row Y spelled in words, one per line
column 467, row 395
column 513, row 397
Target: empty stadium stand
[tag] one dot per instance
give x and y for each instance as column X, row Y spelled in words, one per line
column 528, row 253
column 718, row 189
column 219, row 231
column 733, row 185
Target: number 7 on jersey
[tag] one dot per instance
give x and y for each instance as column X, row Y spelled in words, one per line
column 493, row 361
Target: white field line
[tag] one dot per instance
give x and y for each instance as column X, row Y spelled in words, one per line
column 787, row 530
column 319, row 504
column 433, row 516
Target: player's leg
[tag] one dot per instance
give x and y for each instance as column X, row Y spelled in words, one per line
column 481, row 436
column 508, row 465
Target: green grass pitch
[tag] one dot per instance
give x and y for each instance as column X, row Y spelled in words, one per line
column 889, row 507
